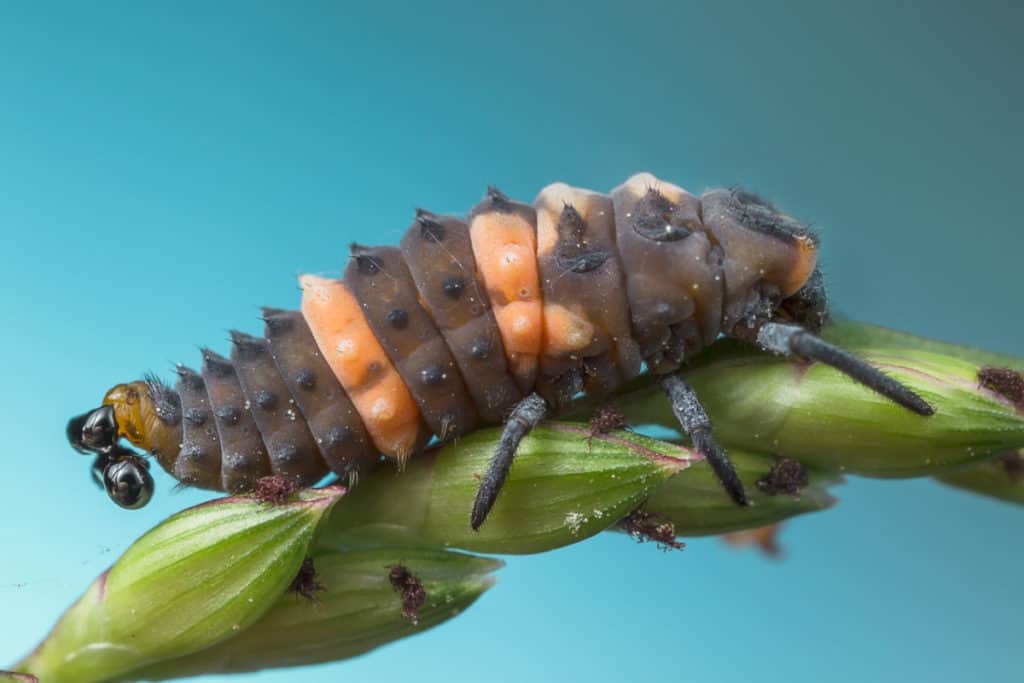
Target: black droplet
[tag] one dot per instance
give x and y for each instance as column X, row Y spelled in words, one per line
column 196, row 416
column 397, row 318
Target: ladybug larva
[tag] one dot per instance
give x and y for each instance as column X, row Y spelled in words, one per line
column 501, row 318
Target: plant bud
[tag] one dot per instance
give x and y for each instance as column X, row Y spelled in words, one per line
column 566, row 484
column 827, row 421
column 695, row 503
column 201, row 576
column 1002, row 477
column 357, row 611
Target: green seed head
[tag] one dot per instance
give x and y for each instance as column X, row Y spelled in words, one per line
column 565, row 485
column 358, row 610
column 821, row 417
column 1002, row 477
column 694, row 502
column 202, row 576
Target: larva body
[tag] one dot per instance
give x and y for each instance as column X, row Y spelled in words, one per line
column 465, row 319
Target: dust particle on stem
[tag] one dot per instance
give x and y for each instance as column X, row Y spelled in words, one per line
column 305, row 582
column 1013, row 465
column 644, row 526
column 607, row 418
column 409, row 586
column 274, row 490
column 1004, row 381
column 786, row 476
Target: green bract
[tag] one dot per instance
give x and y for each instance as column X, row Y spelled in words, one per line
column 11, row 677
column 357, row 611
column 1000, row 478
column 696, row 505
column 565, row 485
column 821, row 417
column 202, row 576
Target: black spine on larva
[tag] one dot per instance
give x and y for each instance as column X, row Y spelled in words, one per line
column 381, row 283
column 198, row 462
column 166, row 402
column 290, row 447
column 332, row 419
column 439, row 255
column 243, row 457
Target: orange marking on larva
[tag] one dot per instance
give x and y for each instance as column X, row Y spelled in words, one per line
column 505, row 248
column 350, row 349
column 565, row 331
column 806, row 260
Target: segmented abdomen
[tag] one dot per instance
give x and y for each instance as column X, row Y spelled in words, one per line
column 453, row 328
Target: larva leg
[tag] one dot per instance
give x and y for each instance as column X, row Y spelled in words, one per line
column 695, row 422
column 793, row 340
column 524, row 417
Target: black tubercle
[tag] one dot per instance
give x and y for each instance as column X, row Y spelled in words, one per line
column 759, row 214
column 398, row 318
column 277, row 321
column 192, row 379
column 571, row 224
column 430, row 228
column 432, row 374
column 481, row 349
column 581, row 262
column 248, row 346
column 166, row 402
column 305, row 378
column 498, row 199
column 366, row 264
column 453, row 286
column 572, row 252
column 656, row 218
column 216, row 364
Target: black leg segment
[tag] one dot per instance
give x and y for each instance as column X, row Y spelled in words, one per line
column 695, row 422
column 791, row 340
column 524, row 417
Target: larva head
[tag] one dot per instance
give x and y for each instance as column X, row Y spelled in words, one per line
column 765, row 249
column 128, row 411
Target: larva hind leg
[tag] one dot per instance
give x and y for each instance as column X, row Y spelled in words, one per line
column 795, row 341
column 695, row 422
column 524, row 417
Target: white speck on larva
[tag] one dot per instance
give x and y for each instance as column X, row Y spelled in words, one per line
column 382, row 409
column 346, row 346
column 291, row 414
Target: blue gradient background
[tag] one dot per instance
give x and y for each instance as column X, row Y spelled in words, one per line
column 167, row 168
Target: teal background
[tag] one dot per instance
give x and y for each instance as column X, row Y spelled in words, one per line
column 166, row 168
